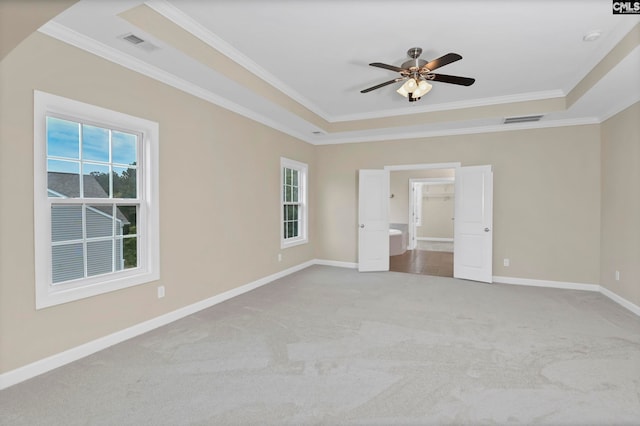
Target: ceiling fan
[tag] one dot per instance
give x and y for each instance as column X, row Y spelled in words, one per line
column 417, row 72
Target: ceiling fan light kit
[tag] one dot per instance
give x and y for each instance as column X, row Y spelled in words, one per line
column 415, row 72
column 414, row 89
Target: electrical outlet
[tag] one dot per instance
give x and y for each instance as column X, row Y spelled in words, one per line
column 506, row 262
column 617, row 275
column 279, row 257
column 160, row 292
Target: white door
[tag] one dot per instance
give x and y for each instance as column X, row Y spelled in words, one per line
column 373, row 220
column 473, row 228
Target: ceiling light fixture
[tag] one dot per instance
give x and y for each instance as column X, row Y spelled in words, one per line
column 592, row 36
column 414, row 88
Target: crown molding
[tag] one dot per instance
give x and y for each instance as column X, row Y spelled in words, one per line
column 459, row 131
column 619, row 107
column 600, row 54
column 73, row 38
column 190, row 25
column 472, row 103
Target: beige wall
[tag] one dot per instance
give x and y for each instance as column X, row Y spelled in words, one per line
column 399, row 187
column 547, row 209
column 437, row 212
column 219, row 199
column 620, row 245
column 19, row 18
column 546, row 195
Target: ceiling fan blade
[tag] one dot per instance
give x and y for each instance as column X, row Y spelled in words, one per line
column 442, row 61
column 387, row 67
column 453, row 79
column 377, row 86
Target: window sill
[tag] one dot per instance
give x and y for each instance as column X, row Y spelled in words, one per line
column 47, row 296
column 293, row 243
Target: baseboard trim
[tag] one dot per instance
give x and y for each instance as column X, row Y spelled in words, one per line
column 435, row 239
column 620, row 300
column 336, row 263
column 571, row 286
column 52, row 362
column 546, row 283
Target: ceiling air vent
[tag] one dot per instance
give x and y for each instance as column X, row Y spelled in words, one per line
column 522, row 119
column 133, row 39
column 139, row 42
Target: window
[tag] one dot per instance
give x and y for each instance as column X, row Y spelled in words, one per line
column 95, row 198
column 293, row 179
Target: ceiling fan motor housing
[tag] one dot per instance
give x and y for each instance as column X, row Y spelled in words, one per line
column 414, row 63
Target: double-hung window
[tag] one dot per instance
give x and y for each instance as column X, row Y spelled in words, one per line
column 96, row 201
column 293, row 220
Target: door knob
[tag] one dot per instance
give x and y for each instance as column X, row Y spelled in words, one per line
column 362, row 225
column 486, row 229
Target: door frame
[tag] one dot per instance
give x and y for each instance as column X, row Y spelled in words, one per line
column 422, row 166
column 456, row 165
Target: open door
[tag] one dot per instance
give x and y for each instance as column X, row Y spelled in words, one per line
column 373, row 220
column 473, row 228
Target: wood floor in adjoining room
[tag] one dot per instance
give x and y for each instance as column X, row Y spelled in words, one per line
column 424, row 262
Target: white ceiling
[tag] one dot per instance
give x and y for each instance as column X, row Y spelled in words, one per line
column 317, row 53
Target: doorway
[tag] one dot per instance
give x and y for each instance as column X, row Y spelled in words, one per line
column 473, row 229
column 423, row 262
column 426, row 217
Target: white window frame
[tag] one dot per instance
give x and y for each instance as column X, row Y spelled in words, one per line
column 148, row 258
column 302, row 169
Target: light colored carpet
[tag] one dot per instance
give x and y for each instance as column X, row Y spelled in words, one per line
column 333, row 346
